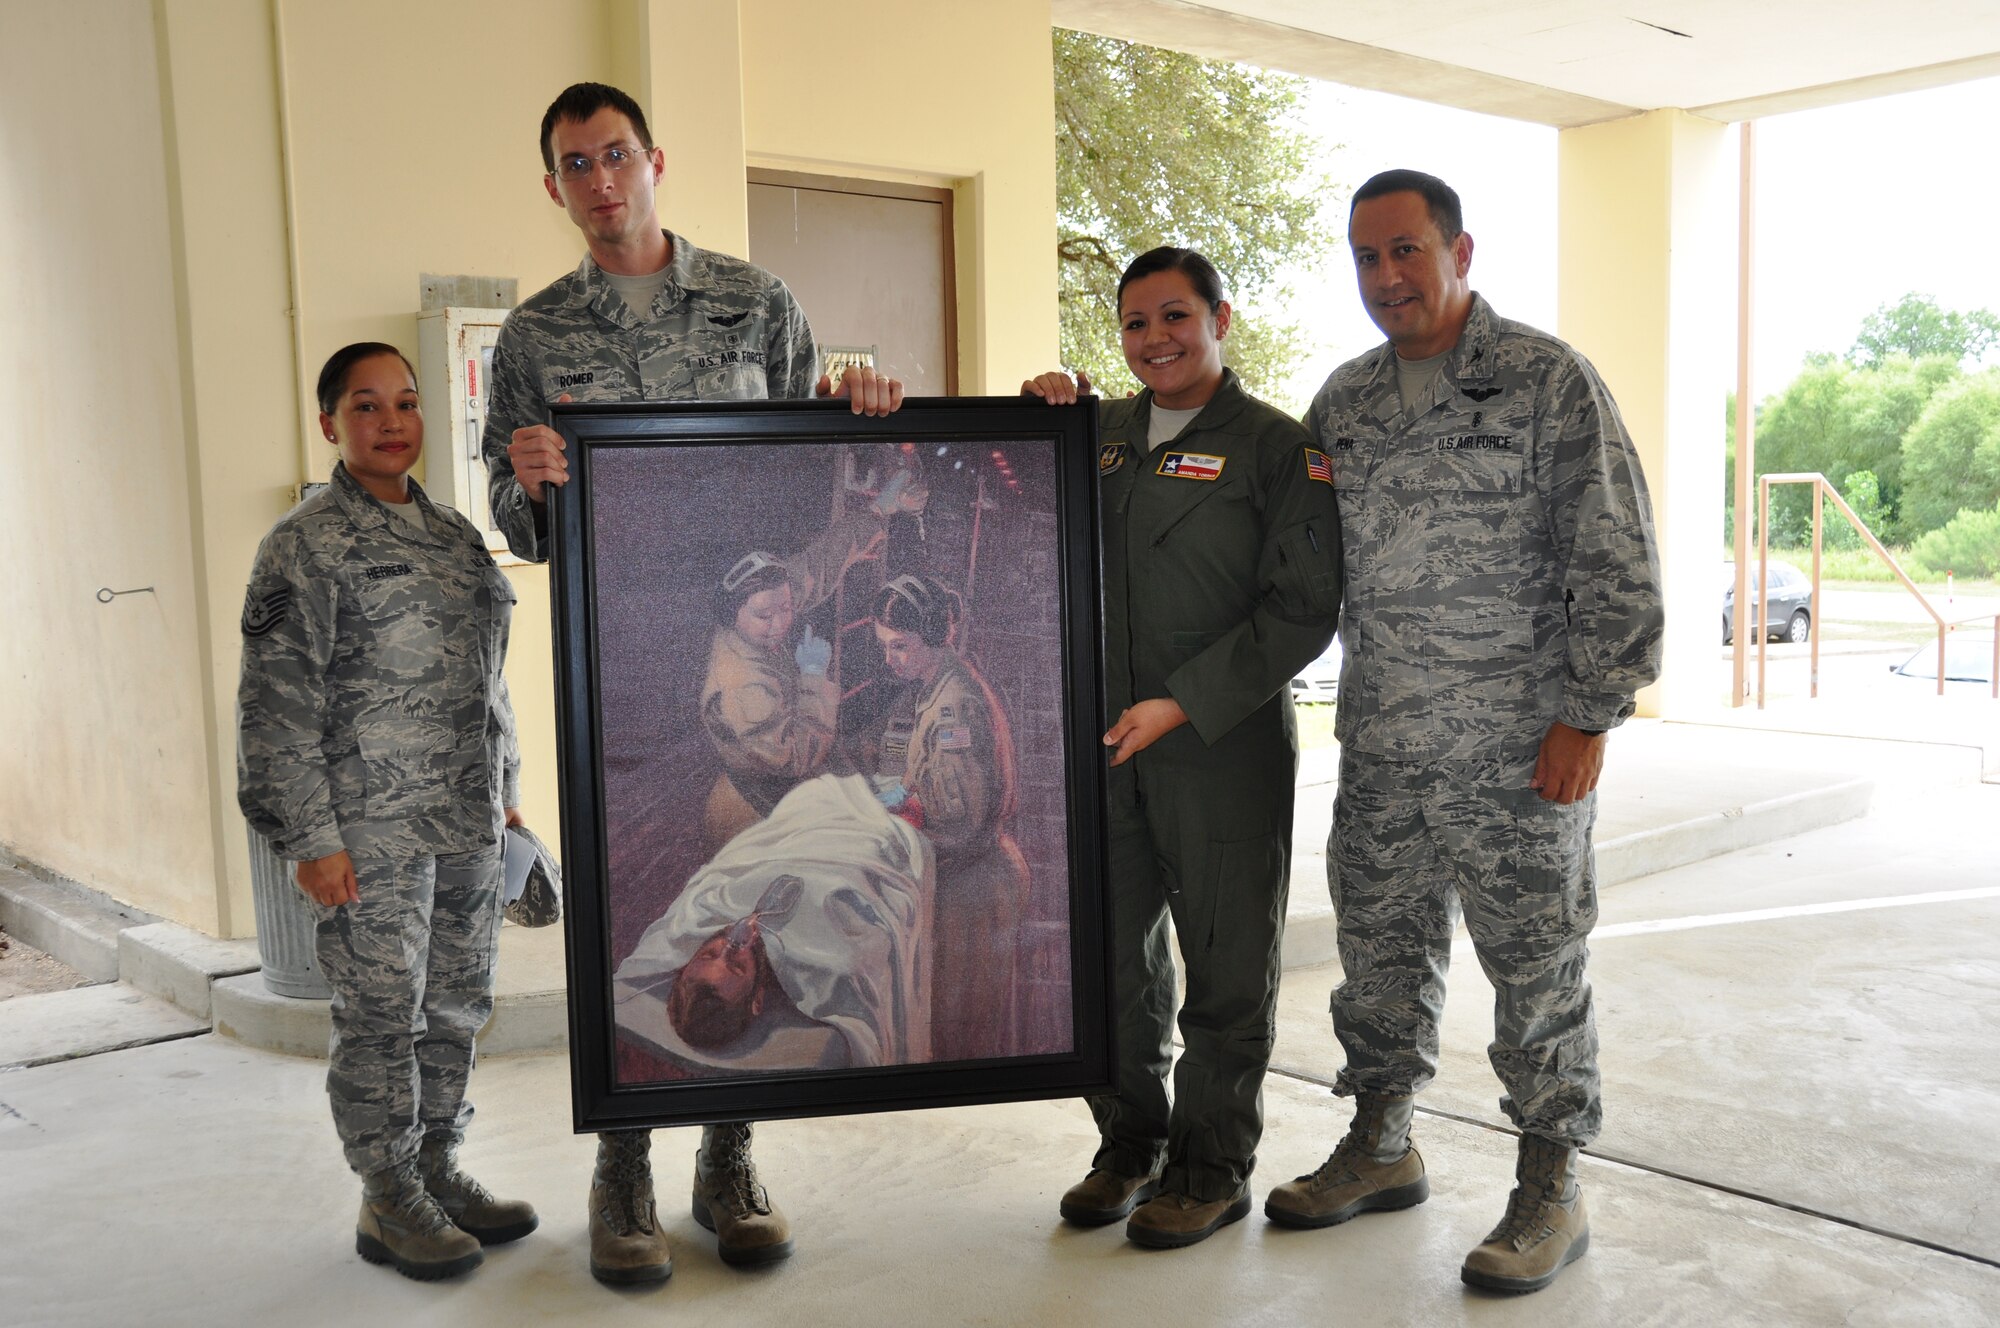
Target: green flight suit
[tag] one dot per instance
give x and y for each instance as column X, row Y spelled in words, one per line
column 1221, row 581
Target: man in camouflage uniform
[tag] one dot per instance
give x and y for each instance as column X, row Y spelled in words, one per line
column 1503, row 606
column 645, row 316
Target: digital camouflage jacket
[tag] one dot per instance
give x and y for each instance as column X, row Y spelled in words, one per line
column 1499, row 552
column 720, row 329
column 373, row 713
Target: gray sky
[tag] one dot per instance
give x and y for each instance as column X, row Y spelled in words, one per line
column 1839, row 230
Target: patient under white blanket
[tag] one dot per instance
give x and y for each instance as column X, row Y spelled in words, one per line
column 838, row 894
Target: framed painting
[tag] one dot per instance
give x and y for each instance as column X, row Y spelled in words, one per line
column 828, row 708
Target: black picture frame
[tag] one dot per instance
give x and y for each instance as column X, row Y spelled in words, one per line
column 660, row 498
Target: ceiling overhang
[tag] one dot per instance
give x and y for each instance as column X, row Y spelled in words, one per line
column 1567, row 63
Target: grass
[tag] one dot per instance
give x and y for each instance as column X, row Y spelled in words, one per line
column 1857, row 568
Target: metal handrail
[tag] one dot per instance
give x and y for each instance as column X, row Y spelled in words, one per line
column 1980, row 618
column 1823, row 489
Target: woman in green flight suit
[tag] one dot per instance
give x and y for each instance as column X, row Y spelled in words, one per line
column 1221, row 580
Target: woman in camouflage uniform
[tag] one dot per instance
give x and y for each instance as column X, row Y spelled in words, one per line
column 376, row 750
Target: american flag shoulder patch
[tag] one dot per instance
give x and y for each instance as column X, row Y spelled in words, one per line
column 1318, row 466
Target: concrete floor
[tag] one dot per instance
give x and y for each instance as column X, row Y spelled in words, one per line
column 1802, row 1065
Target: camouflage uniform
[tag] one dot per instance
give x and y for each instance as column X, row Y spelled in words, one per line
column 1501, row 576
column 373, row 717
column 1216, row 592
column 952, row 750
column 721, row 329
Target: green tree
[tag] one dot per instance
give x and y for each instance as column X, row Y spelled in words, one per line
column 1156, row 147
column 1915, row 326
column 1839, row 419
column 1968, row 544
column 1863, row 492
column 1951, row 457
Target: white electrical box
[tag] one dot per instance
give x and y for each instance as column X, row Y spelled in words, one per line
column 454, row 372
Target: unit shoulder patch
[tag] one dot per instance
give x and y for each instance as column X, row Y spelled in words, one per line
column 1110, row 456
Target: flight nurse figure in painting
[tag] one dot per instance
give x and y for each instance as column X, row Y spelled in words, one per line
column 947, row 767
column 768, row 703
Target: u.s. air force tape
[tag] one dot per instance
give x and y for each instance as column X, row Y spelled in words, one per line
column 261, row 615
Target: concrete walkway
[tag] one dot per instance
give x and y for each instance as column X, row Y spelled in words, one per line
column 1802, row 1067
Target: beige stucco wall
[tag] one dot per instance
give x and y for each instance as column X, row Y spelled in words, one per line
column 312, row 161
column 103, row 768
column 1645, row 280
column 921, row 91
column 410, row 156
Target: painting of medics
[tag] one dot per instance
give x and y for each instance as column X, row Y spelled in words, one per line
column 831, row 788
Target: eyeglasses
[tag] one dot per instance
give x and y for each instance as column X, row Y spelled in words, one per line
column 576, row 166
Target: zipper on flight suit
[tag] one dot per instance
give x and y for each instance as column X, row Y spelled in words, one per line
column 1131, row 672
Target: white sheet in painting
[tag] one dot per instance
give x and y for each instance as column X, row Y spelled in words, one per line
column 850, row 943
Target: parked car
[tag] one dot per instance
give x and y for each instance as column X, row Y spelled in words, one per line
column 1319, row 680
column 1788, row 609
column 1968, row 659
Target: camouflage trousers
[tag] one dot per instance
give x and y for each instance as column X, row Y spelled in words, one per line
column 411, row 967
column 1412, row 842
column 1213, row 854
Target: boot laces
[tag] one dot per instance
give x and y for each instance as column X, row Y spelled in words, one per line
column 627, row 1175
column 1356, row 1145
column 408, row 1203
column 1339, row 1165
column 729, row 1160
column 1524, row 1222
column 448, row 1181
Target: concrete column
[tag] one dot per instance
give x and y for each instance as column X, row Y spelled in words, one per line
column 238, row 389
column 686, row 65
column 1645, row 290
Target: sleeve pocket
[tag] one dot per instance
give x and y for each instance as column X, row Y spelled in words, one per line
column 1312, row 561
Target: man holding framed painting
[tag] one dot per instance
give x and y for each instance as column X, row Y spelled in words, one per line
column 648, row 316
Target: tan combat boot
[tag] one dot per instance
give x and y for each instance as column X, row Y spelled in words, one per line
column 1354, row 1180
column 748, row 1227
column 1545, row 1228
column 470, row 1205
column 1105, row 1196
column 402, row 1225
column 1172, row 1220
column 626, row 1243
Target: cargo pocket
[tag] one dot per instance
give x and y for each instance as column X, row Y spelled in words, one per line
column 1245, row 898
column 731, row 382
column 405, row 768
column 1472, row 670
column 1314, row 564
column 1550, row 897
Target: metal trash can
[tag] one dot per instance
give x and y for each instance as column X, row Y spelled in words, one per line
column 284, row 926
